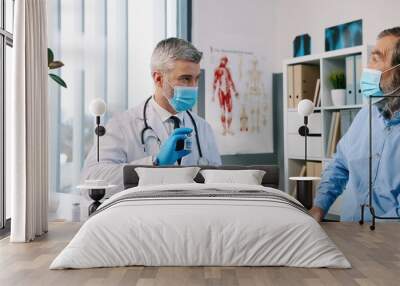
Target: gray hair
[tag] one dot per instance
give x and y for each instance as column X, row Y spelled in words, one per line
column 395, row 32
column 169, row 50
column 388, row 105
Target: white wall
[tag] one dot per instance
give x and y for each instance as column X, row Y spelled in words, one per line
column 293, row 18
column 238, row 24
column 270, row 26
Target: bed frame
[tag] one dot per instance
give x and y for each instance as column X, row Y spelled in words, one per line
column 270, row 179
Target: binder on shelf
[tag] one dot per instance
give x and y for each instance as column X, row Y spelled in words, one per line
column 358, row 71
column 345, row 121
column 350, row 80
column 290, row 87
column 297, row 84
column 305, row 78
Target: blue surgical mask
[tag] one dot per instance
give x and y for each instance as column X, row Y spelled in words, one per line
column 370, row 82
column 184, row 98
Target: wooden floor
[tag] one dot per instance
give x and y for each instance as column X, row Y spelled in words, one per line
column 375, row 257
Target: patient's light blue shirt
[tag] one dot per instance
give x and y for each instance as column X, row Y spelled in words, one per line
column 349, row 168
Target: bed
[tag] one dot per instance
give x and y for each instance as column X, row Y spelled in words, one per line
column 201, row 224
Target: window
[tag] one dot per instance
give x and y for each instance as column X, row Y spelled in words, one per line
column 106, row 48
column 6, row 43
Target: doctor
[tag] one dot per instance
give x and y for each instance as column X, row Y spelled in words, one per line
column 150, row 133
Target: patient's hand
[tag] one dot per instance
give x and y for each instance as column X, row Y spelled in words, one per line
column 317, row 214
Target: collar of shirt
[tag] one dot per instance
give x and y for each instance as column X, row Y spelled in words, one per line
column 164, row 114
column 394, row 121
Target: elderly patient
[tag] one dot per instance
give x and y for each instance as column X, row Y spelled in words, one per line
column 349, row 167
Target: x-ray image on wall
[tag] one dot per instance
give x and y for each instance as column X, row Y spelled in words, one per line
column 343, row 36
column 302, row 45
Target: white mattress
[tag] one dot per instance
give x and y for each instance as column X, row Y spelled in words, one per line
column 200, row 231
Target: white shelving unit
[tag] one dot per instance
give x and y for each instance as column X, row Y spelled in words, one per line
column 319, row 121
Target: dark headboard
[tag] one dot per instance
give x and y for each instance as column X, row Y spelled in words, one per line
column 270, row 179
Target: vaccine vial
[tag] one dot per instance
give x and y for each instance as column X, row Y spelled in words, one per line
column 188, row 143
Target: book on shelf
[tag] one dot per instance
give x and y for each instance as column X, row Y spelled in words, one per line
column 334, row 134
column 303, row 171
column 330, row 134
column 317, row 92
column 319, row 101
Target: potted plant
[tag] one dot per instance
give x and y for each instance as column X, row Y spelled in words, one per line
column 338, row 93
column 52, row 64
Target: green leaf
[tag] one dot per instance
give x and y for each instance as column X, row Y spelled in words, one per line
column 50, row 56
column 55, row 65
column 58, row 80
column 338, row 80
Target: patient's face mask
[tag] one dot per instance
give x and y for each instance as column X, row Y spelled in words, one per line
column 370, row 82
column 183, row 97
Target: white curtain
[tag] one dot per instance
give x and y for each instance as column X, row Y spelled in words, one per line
column 28, row 123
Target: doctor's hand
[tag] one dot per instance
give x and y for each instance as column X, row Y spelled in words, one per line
column 317, row 213
column 168, row 154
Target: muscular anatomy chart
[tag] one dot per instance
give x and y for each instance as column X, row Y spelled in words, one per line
column 224, row 88
column 238, row 103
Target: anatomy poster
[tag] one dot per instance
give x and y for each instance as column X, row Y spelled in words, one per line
column 238, row 101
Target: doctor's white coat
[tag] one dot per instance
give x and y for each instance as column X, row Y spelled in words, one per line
column 122, row 145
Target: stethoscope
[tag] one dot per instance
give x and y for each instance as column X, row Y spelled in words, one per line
column 201, row 161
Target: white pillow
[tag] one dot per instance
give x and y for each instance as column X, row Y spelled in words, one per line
column 249, row 177
column 166, row 176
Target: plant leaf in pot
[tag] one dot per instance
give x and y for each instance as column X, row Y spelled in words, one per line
column 338, row 93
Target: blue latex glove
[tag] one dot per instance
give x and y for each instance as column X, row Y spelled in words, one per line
column 168, row 154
